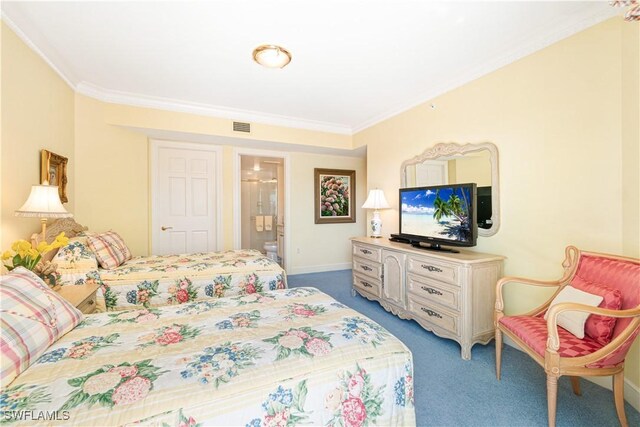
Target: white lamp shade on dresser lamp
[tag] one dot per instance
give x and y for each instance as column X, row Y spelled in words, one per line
column 376, row 201
column 43, row 202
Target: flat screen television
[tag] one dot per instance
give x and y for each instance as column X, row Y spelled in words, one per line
column 439, row 215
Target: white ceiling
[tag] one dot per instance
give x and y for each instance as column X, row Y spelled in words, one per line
column 355, row 62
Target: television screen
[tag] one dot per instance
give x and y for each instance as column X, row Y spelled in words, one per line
column 439, row 214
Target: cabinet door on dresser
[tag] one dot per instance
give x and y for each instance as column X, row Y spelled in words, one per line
column 393, row 280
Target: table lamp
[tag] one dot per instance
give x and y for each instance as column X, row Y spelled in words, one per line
column 43, row 202
column 376, row 201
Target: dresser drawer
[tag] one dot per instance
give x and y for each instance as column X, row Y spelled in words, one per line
column 367, row 252
column 433, row 290
column 88, row 306
column 371, row 269
column 434, row 314
column 438, row 270
column 367, row 284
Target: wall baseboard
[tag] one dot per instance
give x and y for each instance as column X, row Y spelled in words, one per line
column 631, row 391
column 319, row 268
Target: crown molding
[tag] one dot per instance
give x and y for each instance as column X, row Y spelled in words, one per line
column 490, row 66
column 168, row 104
column 66, row 77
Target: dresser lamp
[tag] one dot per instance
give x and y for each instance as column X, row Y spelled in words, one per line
column 376, row 201
column 43, row 202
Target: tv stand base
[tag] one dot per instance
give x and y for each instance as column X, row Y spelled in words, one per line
column 434, row 247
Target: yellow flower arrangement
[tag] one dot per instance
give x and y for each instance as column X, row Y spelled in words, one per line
column 23, row 254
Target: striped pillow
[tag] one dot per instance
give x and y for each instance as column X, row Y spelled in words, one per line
column 109, row 249
column 33, row 317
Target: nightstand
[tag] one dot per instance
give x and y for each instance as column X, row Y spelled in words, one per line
column 83, row 297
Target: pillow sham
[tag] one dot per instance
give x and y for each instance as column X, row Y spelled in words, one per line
column 109, row 249
column 33, row 318
column 76, row 256
column 598, row 327
column 573, row 321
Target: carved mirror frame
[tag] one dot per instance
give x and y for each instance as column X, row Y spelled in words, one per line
column 452, row 149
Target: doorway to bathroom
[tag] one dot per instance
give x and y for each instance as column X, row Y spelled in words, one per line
column 261, row 203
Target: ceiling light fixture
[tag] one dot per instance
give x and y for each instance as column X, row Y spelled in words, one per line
column 271, row 56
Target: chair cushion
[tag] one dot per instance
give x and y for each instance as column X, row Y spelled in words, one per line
column 600, row 328
column 533, row 331
column 109, row 249
column 573, row 321
column 32, row 318
column 618, row 274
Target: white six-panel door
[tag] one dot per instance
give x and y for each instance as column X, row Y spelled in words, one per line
column 184, row 192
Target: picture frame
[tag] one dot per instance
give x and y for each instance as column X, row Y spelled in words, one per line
column 53, row 170
column 334, row 196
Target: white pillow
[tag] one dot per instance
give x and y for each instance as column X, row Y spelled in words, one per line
column 573, row 321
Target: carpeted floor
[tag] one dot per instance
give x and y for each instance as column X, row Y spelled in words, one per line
column 452, row 392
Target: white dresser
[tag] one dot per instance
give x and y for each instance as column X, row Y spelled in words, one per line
column 452, row 295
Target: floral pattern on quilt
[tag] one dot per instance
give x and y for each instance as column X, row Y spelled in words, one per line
column 284, row 407
column 216, row 365
column 356, row 401
column 112, row 385
column 178, row 279
column 79, row 349
column 303, row 341
column 182, row 365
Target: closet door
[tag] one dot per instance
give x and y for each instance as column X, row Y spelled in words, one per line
column 184, row 198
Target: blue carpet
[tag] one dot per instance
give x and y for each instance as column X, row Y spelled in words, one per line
column 452, row 392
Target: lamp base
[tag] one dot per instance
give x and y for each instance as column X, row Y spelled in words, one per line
column 376, row 225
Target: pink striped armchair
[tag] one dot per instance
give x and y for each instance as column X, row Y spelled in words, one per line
column 609, row 332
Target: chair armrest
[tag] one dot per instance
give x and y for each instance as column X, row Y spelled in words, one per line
column 553, row 340
column 524, row 281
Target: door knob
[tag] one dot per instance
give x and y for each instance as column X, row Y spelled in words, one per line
column 163, row 228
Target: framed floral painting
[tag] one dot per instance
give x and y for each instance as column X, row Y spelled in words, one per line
column 53, row 170
column 335, row 196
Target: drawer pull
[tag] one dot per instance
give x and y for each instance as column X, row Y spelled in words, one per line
column 366, row 284
column 366, row 268
column 366, row 251
column 431, row 291
column 431, row 313
column 432, row 268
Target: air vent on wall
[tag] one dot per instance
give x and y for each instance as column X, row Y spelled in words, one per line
column 242, row 127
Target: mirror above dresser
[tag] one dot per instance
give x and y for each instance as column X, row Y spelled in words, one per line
column 452, row 163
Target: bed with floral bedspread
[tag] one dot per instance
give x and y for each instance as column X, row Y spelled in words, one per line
column 284, row 358
column 152, row 281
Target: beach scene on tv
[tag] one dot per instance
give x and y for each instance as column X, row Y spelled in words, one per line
column 441, row 213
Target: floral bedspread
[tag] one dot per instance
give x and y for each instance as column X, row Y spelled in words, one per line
column 159, row 280
column 279, row 358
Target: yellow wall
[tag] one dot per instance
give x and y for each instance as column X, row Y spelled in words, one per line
column 112, row 166
column 555, row 117
column 37, row 113
column 321, row 246
column 114, row 190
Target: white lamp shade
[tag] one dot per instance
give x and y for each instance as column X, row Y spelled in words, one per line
column 376, row 200
column 43, row 202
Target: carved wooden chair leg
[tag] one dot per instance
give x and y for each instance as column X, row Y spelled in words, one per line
column 575, row 384
column 552, row 398
column 618, row 396
column 498, row 353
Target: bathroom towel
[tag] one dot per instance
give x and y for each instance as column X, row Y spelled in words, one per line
column 259, row 223
column 268, row 223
